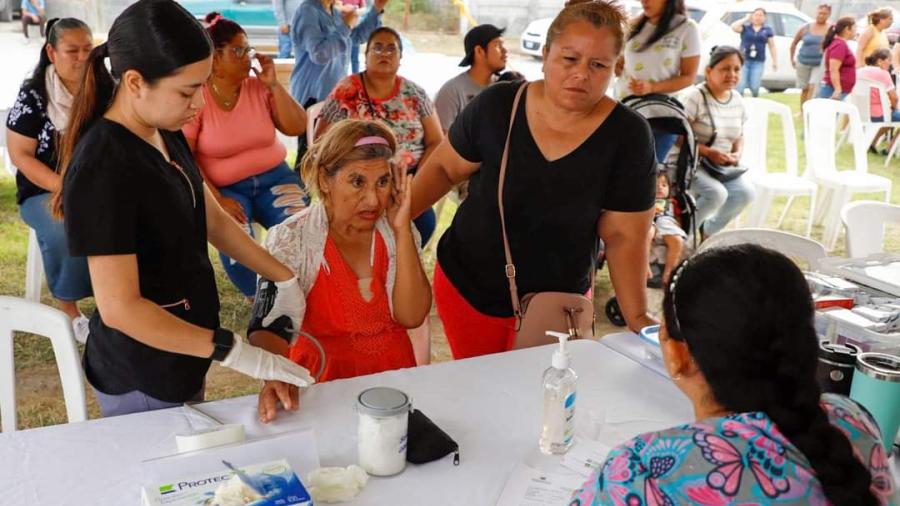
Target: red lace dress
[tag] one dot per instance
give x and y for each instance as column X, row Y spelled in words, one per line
column 358, row 337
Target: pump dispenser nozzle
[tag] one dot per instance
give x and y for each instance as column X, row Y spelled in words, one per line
column 560, row 356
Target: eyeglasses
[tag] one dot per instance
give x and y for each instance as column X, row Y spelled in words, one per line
column 241, row 51
column 388, row 50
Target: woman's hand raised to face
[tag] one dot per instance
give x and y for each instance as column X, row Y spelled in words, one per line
column 267, row 75
column 399, row 210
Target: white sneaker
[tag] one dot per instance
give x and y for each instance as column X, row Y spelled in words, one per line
column 81, row 326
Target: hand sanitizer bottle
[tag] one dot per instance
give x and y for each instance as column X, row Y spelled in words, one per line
column 558, row 418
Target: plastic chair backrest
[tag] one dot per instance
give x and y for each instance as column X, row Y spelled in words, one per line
column 865, row 221
column 861, row 97
column 756, row 133
column 7, row 161
column 19, row 315
column 312, row 116
column 789, row 244
column 820, row 128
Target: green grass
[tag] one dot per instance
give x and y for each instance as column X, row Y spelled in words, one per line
column 34, row 356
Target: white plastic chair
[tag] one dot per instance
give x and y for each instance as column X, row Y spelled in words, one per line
column 792, row 245
column 772, row 184
column 864, row 222
column 861, row 97
column 820, row 120
column 34, row 266
column 312, row 117
column 19, row 315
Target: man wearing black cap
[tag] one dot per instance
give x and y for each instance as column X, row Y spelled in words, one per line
column 485, row 57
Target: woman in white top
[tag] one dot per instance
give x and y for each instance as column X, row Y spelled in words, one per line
column 661, row 56
column 717, row 115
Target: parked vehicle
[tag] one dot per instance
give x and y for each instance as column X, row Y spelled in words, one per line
column 256, row 16
column 785, row 20
column 535, row 34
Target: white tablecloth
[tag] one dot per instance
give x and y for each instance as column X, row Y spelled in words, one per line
column 490, row 405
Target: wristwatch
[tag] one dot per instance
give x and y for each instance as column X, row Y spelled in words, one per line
column 223, row 341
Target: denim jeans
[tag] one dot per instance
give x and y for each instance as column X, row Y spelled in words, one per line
column 354, row 58
column 67, row 276
column 268, row 199
column 895, row 116
column 425, row 224
column 663, row 142
column 718, row 203
column 827, row 90
column 284, row 44
column 751, row 77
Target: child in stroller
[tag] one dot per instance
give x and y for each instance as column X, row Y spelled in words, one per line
column 676, row 218
column 666, row 235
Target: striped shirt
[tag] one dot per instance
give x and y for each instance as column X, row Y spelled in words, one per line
column 729, row 117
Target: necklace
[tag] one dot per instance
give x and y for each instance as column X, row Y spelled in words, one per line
column 226, row 103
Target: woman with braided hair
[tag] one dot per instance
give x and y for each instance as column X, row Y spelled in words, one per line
column 745, row 356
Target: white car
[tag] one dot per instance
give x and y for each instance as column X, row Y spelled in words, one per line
column 535, row 34
column 785, row 20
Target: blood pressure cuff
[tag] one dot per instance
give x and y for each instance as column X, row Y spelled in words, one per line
column 427, row 442
column 265, row 298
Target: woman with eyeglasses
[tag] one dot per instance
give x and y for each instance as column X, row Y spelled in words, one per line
column 379, row 94
column 234, row 140
column 744, row 355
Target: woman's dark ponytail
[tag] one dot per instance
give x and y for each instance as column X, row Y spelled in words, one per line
column 92, row 100
column 835, row 29
column 746, row 315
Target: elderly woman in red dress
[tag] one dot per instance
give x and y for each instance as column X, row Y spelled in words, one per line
column 356, row 256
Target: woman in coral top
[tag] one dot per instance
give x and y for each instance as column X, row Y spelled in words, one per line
column 356, row 256
column 234, row 142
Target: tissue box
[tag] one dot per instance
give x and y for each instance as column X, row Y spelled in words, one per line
column 276, row 478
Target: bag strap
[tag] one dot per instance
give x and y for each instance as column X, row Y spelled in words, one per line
column 712, row 121
column 510, row 267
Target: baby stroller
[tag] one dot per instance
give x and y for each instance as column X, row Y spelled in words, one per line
column 666, row 114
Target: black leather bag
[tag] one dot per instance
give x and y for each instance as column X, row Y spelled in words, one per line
column 427, row 442
column 722, row 173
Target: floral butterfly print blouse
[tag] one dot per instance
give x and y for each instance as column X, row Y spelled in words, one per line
column 735, row 460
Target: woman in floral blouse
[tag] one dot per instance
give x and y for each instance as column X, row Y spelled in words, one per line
column 745, row 356
column 379, row 94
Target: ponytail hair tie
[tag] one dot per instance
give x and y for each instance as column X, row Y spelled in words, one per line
column 215, row 20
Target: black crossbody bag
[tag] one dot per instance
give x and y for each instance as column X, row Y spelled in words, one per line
column 722, row 173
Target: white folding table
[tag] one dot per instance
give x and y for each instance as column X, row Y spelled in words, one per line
column 490, row 405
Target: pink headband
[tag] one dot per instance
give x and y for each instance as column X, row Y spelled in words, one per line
column 372, row 139
column 215, row 20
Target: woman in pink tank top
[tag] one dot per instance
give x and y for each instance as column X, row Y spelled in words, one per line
column 234, row 140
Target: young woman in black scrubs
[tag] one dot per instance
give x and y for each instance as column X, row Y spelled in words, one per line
column 135, row 205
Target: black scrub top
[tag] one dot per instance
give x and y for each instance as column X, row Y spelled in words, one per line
column 122, row 197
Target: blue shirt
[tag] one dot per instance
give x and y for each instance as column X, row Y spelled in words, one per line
column 26, row 6
column 752, row 39
column 322, row 48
